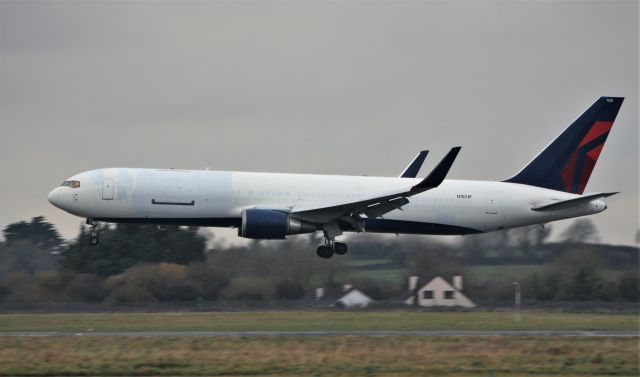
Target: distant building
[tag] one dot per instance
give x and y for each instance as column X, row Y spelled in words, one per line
column 354, row 299
column 438, row 292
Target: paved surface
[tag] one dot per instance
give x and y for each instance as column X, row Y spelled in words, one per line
column 330, row 333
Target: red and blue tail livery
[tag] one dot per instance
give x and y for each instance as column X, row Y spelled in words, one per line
column 566, row 164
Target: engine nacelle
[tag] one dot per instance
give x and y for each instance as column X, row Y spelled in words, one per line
column 270, row 224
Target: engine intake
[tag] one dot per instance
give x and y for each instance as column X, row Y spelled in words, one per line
column 271, row 224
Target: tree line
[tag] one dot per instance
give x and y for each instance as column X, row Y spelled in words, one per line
column 141, row 263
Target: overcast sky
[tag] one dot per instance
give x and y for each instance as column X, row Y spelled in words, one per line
column 314, row 87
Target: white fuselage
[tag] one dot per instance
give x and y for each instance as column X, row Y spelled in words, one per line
column 217, row 198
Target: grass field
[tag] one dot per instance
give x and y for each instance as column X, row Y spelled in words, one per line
column 314, row 321
column 319, row 356
column 391, row 275
column 369, row 268
column 482, row 274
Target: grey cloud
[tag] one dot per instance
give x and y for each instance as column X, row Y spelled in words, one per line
column 321, row 87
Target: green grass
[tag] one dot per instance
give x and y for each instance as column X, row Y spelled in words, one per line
column 314, row 320
column 365, row 262
column 481, row 274
column 362, row 268
column 517, row 272
column 318, row 356
column 392, row 275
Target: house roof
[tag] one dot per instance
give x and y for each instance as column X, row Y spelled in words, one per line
column 355, row 295
column 436, row 281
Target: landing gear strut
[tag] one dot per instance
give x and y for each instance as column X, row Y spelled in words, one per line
column 93, row 239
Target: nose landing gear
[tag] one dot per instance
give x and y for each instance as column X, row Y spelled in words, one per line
column 93, row 239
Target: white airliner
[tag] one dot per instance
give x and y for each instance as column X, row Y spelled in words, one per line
column 274, row 205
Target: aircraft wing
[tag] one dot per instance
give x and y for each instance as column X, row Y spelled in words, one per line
column 412, row 170
column 573, row 202
column 378, row 205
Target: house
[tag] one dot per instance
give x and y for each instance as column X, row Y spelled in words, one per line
column 438, row 292
column 353, row 299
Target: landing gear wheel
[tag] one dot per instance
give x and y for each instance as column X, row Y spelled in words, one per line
column 94, row 240
column 340, row 248
column 324, row 252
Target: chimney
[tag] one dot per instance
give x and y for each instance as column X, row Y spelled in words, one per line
column 346, row 287
column 413, row 283
column 457, row 282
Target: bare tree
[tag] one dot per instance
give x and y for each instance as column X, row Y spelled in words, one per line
column 581, row 231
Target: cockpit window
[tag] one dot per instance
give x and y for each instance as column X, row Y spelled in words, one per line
column 72, row 184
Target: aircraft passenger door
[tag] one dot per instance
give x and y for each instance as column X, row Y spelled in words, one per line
column 107, row 189
column 492, row 208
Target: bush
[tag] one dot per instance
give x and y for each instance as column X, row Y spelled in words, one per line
column 164, row 282
column 20, row 287
column 129, row 292
column 542, row 287
column 608, row 291
column 86, row 287
column 248, row 288
column 376, row 289
column 584, row 283
column 289, row 290
column 630, row 286
column 52, row 284
column 208, row 280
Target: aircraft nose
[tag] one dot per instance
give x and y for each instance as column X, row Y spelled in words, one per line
column 54, row 197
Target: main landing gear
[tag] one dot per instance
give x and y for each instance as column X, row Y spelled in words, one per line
column 331, row 247
column 93, row 239
column 331, row 231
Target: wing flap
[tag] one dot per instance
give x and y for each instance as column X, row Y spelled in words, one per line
column 377, row 210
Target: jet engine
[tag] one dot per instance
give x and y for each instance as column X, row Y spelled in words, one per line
column 270, row 224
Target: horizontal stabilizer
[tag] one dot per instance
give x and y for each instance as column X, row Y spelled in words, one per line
column 573, row 202
column 412, row 170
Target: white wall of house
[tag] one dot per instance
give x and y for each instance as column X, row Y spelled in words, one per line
column 438, row 292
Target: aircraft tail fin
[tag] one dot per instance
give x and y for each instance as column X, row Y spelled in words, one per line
column 566, row 164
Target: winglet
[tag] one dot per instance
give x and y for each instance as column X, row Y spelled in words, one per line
column 438, row 174
column 412, row 170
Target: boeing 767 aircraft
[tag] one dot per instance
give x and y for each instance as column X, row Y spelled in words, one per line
column 274, row 205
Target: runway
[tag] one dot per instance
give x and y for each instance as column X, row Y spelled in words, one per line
column 325, row 333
